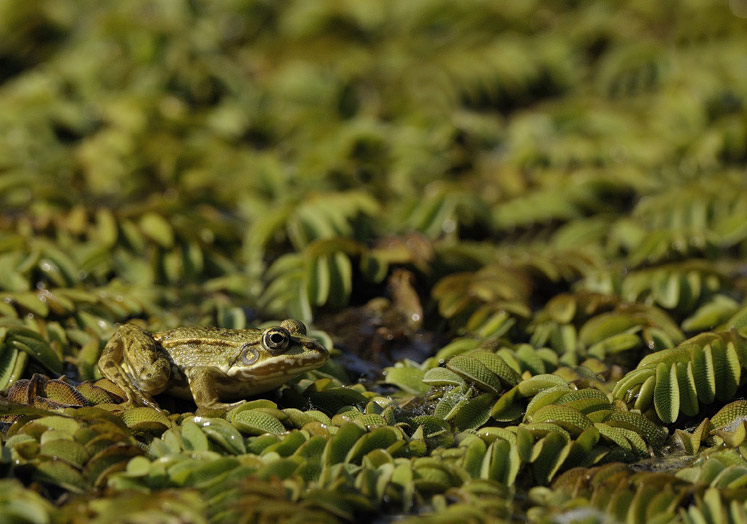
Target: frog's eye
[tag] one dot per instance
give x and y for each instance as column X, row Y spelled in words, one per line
column 276, row 339
column 249, row 354
column 294, row 326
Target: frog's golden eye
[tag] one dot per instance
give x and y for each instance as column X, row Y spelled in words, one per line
column 276, row 339
column 249, row 354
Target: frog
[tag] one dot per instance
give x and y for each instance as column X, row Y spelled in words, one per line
column 215, row 367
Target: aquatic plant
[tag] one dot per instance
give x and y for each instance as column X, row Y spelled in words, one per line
column 519, row 227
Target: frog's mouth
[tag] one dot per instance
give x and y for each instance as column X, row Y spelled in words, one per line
column 281, row 368
column 266, row 375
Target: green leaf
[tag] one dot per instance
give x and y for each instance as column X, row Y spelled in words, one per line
column 667, row 393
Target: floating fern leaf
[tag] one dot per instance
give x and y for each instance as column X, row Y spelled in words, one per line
column 478, row 299
column 322, row 274
column 689, row 219
column 708, row 365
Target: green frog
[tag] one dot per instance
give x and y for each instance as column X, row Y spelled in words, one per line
column 207, row 364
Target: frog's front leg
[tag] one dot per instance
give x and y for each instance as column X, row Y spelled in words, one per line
column 202, row 381
column 137, row 364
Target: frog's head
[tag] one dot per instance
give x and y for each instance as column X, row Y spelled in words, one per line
column 281, row 353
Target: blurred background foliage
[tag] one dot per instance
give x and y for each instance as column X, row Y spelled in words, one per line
column 563, row 174
column 167, row 143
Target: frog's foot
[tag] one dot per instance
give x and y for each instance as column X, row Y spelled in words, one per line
column 146, row 400
column 137, row 398
column 217, row 407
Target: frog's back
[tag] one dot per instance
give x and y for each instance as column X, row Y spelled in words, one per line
column 205, row 334
column 204, row 346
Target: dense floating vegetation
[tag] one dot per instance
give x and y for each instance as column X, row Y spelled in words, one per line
column 522, row 225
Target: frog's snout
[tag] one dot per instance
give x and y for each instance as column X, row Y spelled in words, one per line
column 313, row 345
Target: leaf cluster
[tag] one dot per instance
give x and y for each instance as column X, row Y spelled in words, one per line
column 551, row 194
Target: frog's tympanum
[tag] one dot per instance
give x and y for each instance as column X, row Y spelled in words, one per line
column 210, row 365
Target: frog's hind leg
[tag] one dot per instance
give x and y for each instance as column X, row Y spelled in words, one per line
column 132, row 360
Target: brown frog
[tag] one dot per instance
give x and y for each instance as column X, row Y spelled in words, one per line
column 210, row 365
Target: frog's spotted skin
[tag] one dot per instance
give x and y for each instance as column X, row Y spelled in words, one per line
column 207, row 364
